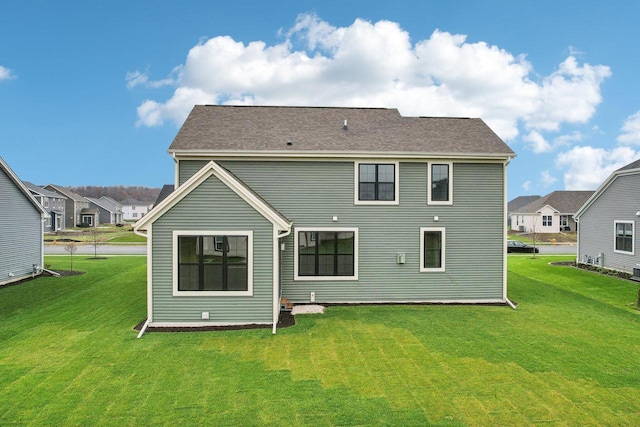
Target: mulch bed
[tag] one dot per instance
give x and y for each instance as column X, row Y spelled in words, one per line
column 65, row 273
column 286, row 320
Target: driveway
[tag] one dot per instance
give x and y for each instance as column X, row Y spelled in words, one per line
column 558, row 249
column 101, row 250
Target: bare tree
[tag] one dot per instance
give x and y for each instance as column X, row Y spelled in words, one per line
column 535, row 234
column 96, row 239
column 71, row 247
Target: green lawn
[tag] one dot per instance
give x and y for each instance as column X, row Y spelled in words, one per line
column 570, row 355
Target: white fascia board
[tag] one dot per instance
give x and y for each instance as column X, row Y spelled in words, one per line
column 212, row 168
column 323, row 155
column 603, row 188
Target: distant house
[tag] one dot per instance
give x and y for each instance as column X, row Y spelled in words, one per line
column 607, row 232
column 21, row 229
column 517, row 203
column 77, row 208
column 53, row 203
column 549, row 214
column 108, row 210
column 133, row 210
column 330, row 205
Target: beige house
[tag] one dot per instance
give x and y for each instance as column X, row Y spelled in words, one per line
column 552, row 213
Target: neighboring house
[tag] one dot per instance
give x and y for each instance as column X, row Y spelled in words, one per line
column 164, row 192
column 114, row 207
column 552, row 213
column 517, row 203
column 53, row 203
column 331, row 205
column 77, row 208
column 133, row 209
column 21, row 229
column 608, row 223
column 106, row 212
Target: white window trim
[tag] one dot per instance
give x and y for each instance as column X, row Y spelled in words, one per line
column 423, row 269
column 248, row 292
column 429, row 174
column 633, row 237
column 325, row 278
column 356, row 182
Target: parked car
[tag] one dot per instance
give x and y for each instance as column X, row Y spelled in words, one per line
column 515, row 246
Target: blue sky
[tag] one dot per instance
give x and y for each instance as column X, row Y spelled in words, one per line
column 92, row 93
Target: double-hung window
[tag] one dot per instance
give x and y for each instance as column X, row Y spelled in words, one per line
column 326, row 254
column 213, row 263
column 432, row 249
column 440, row 183
column 624, row 231
column 547, row 220
column 376, row 183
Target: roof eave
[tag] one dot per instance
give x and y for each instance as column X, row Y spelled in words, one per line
column 603, row 187
column 301, row 154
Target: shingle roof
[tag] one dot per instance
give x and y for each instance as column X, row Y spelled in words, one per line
column 70, row 194
column 130, row 201
column 565, row 202
column 520, row 201
column 164, row 192
column 42, row 191
column 321, row 129
column 632, row 165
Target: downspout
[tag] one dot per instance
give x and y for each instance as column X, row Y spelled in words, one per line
column 504, row 249
column 278, row 295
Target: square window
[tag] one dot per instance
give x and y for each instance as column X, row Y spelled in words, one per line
column 326, row 254
column 376, row 183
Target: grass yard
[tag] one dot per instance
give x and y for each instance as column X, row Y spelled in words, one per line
column 570, row 355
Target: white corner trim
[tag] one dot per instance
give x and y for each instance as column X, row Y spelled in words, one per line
column 150, row 274
column 429, row 184
column 356, row 251
column 356, row 182
column 442, row 230
column 248, row 234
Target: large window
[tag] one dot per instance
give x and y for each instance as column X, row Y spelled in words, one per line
column 377, row 183
column 624, row 237
column 440, row 184
column 330, row 254
column 215, row 263
column 432, row 249
column 547, row 220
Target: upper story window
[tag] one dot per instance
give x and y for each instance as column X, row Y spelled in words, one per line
column 440, row 183
column 624, row 231
column 376, row 183
column 46, row 202
column 204, row 267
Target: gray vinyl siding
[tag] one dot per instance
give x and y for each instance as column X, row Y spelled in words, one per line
column 311, row 193
column 619, row 202
column 20, row 232
column 210, row 207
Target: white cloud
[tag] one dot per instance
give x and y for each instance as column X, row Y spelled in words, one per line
column 536, row 142
column 136, row 78
column 376, row 65
column 546, row 178
column 630, row 130
column 6, row 74
column 526, row 185
column 585, row 168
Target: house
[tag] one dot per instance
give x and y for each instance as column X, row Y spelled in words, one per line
column 133, row 209
column 108, row 210
column 77, row 208
column 517, row 203
column 53, row 203
column 22, row 221
column 552, row 213
column 607, row 232
column 331, row 205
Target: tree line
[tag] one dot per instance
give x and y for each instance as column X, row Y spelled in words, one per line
column 119, row 192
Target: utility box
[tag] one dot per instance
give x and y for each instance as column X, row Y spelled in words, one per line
column 400, row 258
